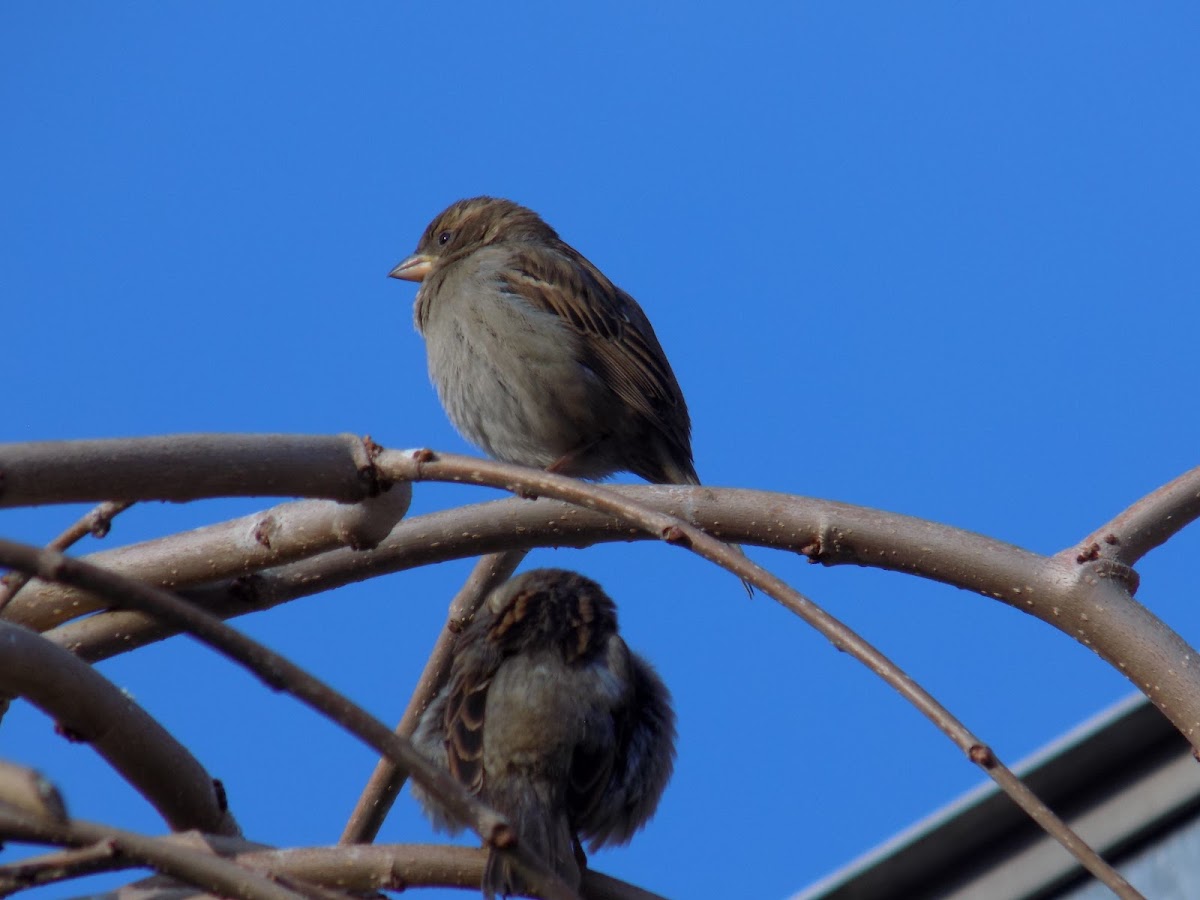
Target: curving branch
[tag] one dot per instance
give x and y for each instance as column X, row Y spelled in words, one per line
column 227, row 550
column 828, row 532
column 88, row 707
column 1062, row 590
column 280, row 674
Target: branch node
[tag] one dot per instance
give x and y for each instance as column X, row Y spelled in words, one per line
column 368, row 473
column 245, row 588
column 52, row 565
column 673, row 534
column 1118, row 571
column 1112, row 539
column 70, row 734
column 373, row 449
column 982, row 755
column 1088, row 553
column 266, row 527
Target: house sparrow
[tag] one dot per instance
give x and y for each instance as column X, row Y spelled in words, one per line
column 537, row 357
column 552, row 721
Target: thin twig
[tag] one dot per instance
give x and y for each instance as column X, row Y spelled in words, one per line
column 96, row 523
column 280, row 674
column 386, row 781
column 424, row 465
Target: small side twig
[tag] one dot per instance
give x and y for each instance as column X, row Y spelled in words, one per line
column 1149, row 522
column 96, row 523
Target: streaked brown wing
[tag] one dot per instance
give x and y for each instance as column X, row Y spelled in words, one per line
column 464, row 721
column 624, row 349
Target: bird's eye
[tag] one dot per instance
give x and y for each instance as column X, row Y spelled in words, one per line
column 444, row 238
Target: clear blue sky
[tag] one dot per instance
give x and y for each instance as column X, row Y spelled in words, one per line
column 926, row 257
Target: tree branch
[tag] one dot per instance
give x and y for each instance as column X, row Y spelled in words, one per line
column 187, row 467
column 1148, row 523
column 828, row 532
column 227, row 550
column 88, row 707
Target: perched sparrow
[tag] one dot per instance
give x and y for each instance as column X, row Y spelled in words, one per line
column 552, row 721
column 537, row 357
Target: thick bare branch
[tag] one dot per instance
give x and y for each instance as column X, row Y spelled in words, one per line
column 88, row 707
column 227, row 550
column 386, row 781
column 280, row 674
column 186, row 467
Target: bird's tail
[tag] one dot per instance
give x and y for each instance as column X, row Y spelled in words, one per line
column 546, row 836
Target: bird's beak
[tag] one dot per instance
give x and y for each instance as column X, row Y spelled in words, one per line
column 415, row 268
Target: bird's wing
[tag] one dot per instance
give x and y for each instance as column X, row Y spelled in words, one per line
column 463, row 721
column 618, row 338
column 641, row 763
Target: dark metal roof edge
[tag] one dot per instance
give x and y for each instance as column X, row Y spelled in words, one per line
column 1107, row 722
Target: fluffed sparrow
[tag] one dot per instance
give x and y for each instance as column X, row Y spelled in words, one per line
column 551, row 720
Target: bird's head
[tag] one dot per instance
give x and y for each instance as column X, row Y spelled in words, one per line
column 466, row 226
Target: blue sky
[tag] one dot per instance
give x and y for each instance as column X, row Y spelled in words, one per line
column 933, row 258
